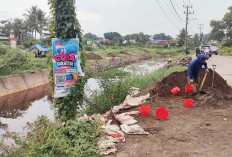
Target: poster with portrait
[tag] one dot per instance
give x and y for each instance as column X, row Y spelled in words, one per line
column 65, row 65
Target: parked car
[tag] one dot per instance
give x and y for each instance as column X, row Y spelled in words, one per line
column 204, row 47
column 214, row 50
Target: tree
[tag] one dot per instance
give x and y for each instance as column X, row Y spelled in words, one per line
column 111, row 35
column 90, row 36
column 217, row 33
column 181, row 37
column 140, row 38
column 35, row 19
column 227, row 19
column 196, row 40
column 162, row 36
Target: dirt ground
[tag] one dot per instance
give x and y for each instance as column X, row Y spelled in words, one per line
column 201, row 131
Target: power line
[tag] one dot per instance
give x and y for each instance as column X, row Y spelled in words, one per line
column 176, row 11
column 178, row 5
column 172, row 12
column 166, row 15
column 186, row 26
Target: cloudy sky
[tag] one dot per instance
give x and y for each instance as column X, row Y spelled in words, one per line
column 131, row 16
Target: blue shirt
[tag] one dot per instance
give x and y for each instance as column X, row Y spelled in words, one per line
column 195, row 66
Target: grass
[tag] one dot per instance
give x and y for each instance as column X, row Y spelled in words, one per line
column 226, row 51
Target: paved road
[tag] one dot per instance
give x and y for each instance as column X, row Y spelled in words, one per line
column 224, row 66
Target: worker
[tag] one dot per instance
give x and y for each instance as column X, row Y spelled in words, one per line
column 194, row 68
column 198, row 51
column 188, row 56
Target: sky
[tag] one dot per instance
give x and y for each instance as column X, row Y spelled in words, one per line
column 132, row 16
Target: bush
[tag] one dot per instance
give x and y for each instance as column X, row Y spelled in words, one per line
column 21, row 47
column 228, row 43
column 76, row 138
column 88, row 48
column 13, row 62
column 227, row 51
column 3, row 50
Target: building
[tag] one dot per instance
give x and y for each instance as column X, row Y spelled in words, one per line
column 160, row 42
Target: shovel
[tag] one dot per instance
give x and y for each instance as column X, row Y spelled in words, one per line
column 202, row 83
column 214, row 67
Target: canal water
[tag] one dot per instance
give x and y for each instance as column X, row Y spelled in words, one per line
column 18, row 109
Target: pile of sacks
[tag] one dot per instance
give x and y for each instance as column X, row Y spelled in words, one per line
column 115, row 133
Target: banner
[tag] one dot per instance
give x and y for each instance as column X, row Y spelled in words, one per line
column 65, row 63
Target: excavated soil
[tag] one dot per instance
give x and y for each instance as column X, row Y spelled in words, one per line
column 93, row 56
column 179, row 79
column 201, row 131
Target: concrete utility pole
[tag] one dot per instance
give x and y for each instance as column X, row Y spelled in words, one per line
column 200, row 26
column 186, row 26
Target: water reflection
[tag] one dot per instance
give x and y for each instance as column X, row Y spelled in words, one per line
column 18, row 109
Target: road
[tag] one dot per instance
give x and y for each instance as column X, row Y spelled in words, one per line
column 223, row 66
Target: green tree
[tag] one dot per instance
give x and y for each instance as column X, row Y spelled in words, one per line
column 111, row 35
column 217, row 32
column 90, row 36
column 35, row 20
column 181, row 37
column 227, row 19
column 196, row 40
column 162, row 36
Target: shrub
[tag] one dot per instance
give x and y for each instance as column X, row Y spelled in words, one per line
column 76, row 138
column 88, row 48
column 3, row 50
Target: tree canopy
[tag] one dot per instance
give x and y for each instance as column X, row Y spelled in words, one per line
column 222, row 28
column 162, row 36
column 111, row 35
column 90, row 36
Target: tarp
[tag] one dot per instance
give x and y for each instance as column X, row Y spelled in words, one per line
column 39, row 47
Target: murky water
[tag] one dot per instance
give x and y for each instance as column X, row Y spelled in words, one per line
column 18, row 109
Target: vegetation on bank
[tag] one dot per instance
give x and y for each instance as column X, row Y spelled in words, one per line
column 114, row 90
column 13, row 61
column 48, row 139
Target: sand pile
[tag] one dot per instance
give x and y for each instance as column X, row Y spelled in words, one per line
column 93, row 56
column 221, row 90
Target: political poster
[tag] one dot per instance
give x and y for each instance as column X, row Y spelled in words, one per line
column 65, row 65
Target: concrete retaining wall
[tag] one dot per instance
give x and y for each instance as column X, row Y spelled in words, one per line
column 16, row 83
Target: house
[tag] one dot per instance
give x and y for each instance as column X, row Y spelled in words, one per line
column 160, row 42
column 3, row 37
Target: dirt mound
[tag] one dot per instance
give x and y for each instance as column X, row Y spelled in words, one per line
column 111, row 55
column 179, row 79
column 93, row 56
column 123, row 52
column 214, row 98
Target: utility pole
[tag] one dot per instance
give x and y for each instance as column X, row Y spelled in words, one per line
column 200, row 26
column 186, row 25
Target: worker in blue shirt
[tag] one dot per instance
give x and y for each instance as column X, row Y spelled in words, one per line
column 195, row 67
column 188, row 56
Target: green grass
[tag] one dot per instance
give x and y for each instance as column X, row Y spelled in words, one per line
column 138, row 49
column 226, row 51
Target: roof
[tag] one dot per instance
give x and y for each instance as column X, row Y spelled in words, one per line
column 160, row 42
column 4, row 38
column 39, row 47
